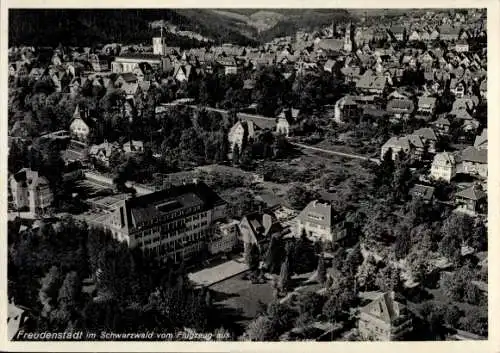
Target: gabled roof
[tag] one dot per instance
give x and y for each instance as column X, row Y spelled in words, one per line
column 424, row 101
column 442, row 121
column 317, row 212
column 400, row 105
column 472, row 193
column 426, row 133
column 473, row 154
column 444, row 158
column 481, row 139
column 371, row 82
column 384, row 308
column 422, row 191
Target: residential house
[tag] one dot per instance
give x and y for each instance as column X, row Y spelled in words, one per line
column 474, row 161
column 329, row 65
column 31, row 191
column 414, row 36
column 422, row 192
column 457, row 88
column 461, row 46
column 400, row 108
column 428, row 137
column 258, row 228
column 175, row 223
column 17, row 318
column 483, row 88
column 346, row 108
column 317, row 220
column 444, row 166
column 225, row 237
column 481, row 141
column 426, row 106
column 398, row 33
column 384, row 319
column 410, row 145
column 372, row 84
column 133, row 147
column 80, row 125
column 238, row 131
column 182, row 72
column 285, row 121
column 442, row 126
column 102, row 153
column 471, row 201
column 448, row 33
column 128, row 62
column 229, row 65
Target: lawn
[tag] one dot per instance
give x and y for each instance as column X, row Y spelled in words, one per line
column 239, row 300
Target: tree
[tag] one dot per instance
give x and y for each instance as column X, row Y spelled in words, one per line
column 452, row 315
column 274, row 255
column 388, row 279
column 252, row 257
column 48, row 290
column 304, row 258
column 236, row 154
column 472, row 294
column 260, row 329
column 298, row 196
column 310, row 306
column 321, row 271
column 284, row 279
column 69, row 291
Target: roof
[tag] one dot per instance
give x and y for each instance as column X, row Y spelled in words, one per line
column 472, row 193
column 263, row 224
column 444, row 158
column 400, row 105
column 129, row 77
column 481, row 139
column 442, row 121
column 422, row 191
column 330, row 44
column 473, row 154
column 317, row 212
column 144, row 56
column 384, row 308
column 424, row 101
column 371, row 82
column 426, row 133
column 449, row 30
column 260, row 121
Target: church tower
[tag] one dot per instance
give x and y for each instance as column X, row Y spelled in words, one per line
column 159, row 44
column 347, row 39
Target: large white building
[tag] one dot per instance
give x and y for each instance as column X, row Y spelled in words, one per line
column 443, row 167
column 30, row 191
column 174, row 223
column 317, row 220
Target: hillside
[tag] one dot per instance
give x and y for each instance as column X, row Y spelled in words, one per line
column 76, row 27
column 90, row 27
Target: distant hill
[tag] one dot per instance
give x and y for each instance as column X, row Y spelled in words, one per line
column 88, row 27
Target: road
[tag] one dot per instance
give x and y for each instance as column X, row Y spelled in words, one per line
column 336, row 153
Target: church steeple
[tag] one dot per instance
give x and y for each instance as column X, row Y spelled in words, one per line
column 347, row 39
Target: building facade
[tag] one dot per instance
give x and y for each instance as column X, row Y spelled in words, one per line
column 317, row 220
column 384, row 319
column 443, row 167
column 175, row 223
column 30, row 191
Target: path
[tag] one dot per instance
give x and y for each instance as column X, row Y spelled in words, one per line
column 336, row 153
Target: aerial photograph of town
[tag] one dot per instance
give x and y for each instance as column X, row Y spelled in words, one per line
column 247, row 174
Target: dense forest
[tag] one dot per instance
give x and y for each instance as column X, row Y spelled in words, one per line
column 89, row 27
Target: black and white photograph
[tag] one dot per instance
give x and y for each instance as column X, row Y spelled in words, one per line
column 247, row 174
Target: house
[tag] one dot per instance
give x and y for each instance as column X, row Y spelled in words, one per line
column 448, row 33
column 471, row 201
column 398, row 32
column 182, row 72
column 128, row 62
column 30, row 191
column 410, row 145
column 80, row 125
column 133, row 147
column 346, row 108
column 483, row 88
column 372, row 84
column 414, row 36
column 317, row 221
column 474, row 161
column 481, row 141
column 457, row 88
column 400, row 108
column 258, row 228
column 229, row 65
column 384, row 319
column 285, row 120
column 422, row 192
column 238, row 131
column 101, row 153
column 225, row 237
column 444, row 166
column 428, row 136
column 329, row 65
column 426, row 106
column 17, row 317
column 461, row 46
